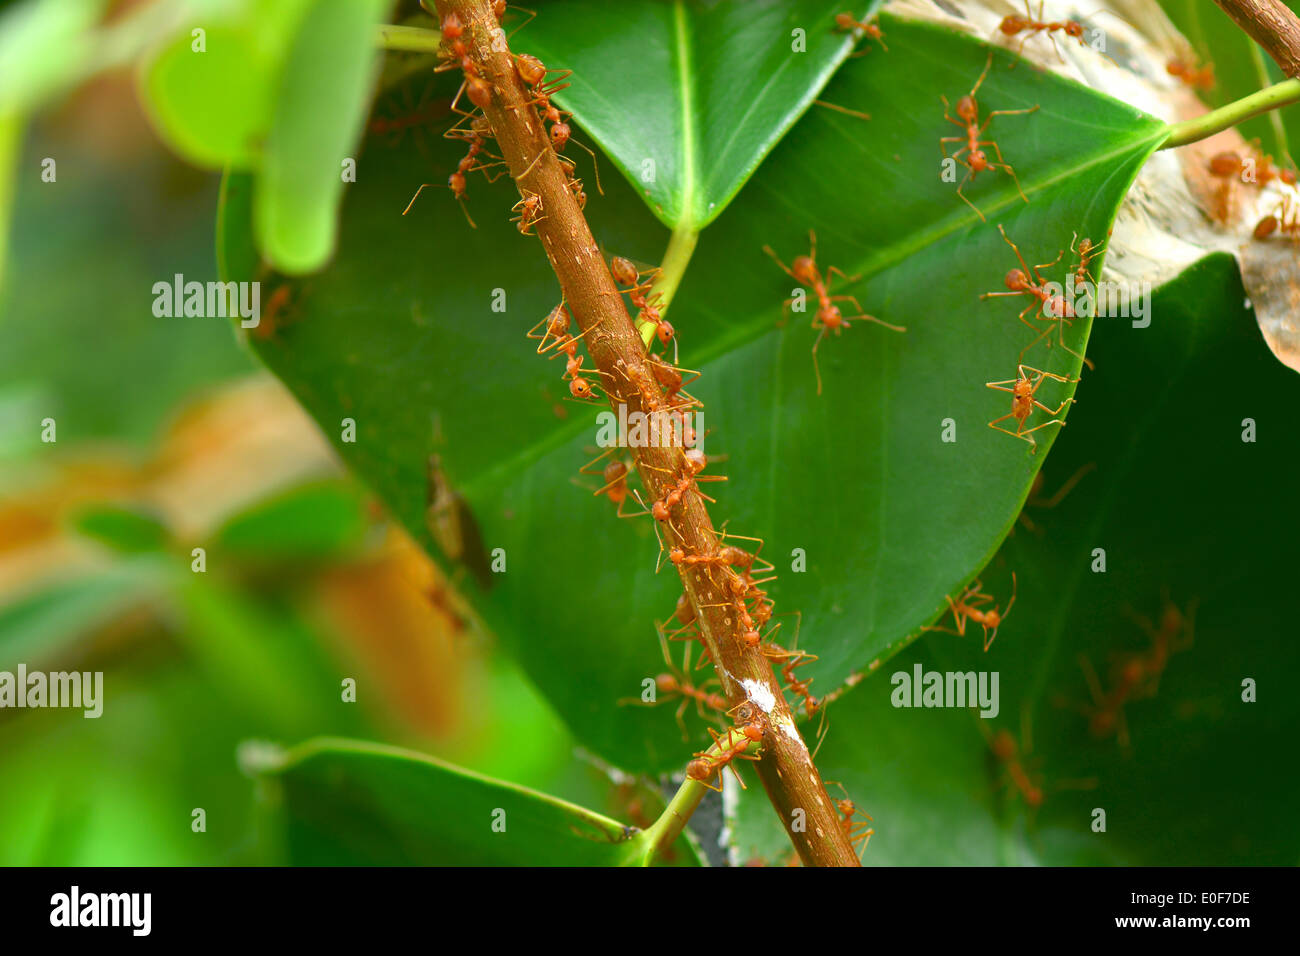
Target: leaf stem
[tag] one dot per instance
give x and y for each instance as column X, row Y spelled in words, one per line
column 681, row 246
column 1225, row 117
column 408, row 39
column 664, row 832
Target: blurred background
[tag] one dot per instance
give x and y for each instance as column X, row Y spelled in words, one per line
column 169, row 437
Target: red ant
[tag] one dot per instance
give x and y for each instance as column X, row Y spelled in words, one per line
column 529, row 207
column 968, row 118
column 1088, row 250
column 1031, row 25
column 1266, row 170
column 1055, row 308
column 847, row 22
column 1023, row 403
column 557, row 324
column 1008, row 753
column 854, row 830
column 970, row 607
column 478, row 89
column 268, row 319
column 724, row 750
column 1284, row 219
column 627, row 274
column 614, row 474
column 533, row 72
column 1184, row 68
column 828, row 316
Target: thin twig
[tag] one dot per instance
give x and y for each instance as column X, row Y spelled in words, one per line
column 787, row 770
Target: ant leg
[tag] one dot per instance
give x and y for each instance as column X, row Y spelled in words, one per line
column 594, row 166
column 1053, row 411
column 784, row 267
column 967, row 201
column 843, row 109
column 816, row 368
column 1016, row 249
column 836, row 270
column 978, row 83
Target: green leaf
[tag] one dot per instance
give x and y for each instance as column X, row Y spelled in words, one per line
column 348, row 803
column 46, row 624
column 687, row 98
column 1187, row 512
column 127, row 530
column 400, row 335
column 1241, row 67
column 311, row 522
column 317, row 119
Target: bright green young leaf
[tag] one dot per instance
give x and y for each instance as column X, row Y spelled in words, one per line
column 687, row 97
column 314, row 522
column 400, row 335
column 317, row 119
column 1188, row 490
column 340, row 802
column 126, row 530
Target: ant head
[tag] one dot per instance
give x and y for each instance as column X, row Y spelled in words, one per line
column 1016, row 281
column 452, row 28
column 845, row 21
column 665, row 332
column 580, row 388
column 677, row 556
column 846, row 806
column 479, row 91
column 1034, row 796
column 1287, row 176
column 752, row 732
column 1175, row 67
column 1266, row 227
column 752, row 639
column 967, row 110
column 499, row 8
column 1074, row 29
column 560, row 133
column 978, row 160
column 666, row 683
column 832, row 317
column 1132, row 671
column 695, row 461
column 481, row 126
column 805, row 270
column 1059, row 308
column 1013, row 24
column 531, row 70
column 660, row 511
column 456, row 181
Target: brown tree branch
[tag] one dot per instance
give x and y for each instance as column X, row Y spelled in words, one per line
column 1273, row 26
column 786, row 767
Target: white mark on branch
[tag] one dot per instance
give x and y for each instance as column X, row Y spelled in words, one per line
column 760, row 694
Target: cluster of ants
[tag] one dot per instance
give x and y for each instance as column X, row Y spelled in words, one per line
column 1259, row 170
column 738, row 575
column 534, row 74
column 1134, row 675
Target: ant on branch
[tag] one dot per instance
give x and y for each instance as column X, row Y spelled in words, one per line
column 968, row 118
column 1023, row 403
column 724, row 751
column 828, row 317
